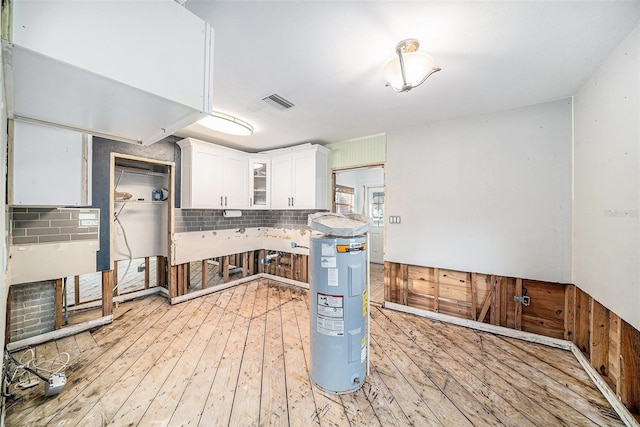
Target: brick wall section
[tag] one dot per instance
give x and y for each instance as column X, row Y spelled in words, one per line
column 212, row 219
column 52, row 225
column 32, row 310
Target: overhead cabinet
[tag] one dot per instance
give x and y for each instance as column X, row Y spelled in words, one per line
column 213, row 177
column 109, row 68
column 49, row 166
column 299, row 177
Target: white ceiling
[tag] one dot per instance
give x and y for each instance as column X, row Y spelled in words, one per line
column 326, row 57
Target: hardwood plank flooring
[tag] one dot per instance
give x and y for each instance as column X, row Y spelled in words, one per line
column 377, row 282
column 240, row 357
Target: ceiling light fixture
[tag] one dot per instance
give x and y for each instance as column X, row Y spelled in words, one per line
column 226, row 124
column 410, row 69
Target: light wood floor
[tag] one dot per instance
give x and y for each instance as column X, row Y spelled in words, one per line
column 239, row 357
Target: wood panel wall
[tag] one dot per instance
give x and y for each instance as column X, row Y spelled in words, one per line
column 556, row 310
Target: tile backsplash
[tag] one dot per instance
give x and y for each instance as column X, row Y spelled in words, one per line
column 53, row 225
column 212, row 219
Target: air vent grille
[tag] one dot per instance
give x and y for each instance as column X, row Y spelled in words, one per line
column 277, row 101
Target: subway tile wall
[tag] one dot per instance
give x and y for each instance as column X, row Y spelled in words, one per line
column 210, row 219
column 53, row 225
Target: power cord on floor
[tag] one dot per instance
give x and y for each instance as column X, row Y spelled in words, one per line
column 25, row 372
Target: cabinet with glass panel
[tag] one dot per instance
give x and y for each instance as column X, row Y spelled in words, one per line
column 259, row 182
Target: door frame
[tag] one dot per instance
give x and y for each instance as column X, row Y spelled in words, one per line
column 171, row 285
column 352, row 168
column 384, row 187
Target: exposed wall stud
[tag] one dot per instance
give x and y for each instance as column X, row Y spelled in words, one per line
column 518, row 305
column 59, row 320
column 599, row 343
column 107, row 293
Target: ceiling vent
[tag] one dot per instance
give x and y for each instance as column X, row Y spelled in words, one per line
column 277, row 101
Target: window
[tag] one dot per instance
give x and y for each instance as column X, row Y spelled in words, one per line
column 376, row 207
column 344, row 199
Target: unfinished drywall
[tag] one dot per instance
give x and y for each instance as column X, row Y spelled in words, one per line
column 607, row 183
column 488, row 194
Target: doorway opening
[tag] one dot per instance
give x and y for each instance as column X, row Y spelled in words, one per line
column 362, row 190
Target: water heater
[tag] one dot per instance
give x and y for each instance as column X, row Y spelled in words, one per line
column 338, row 312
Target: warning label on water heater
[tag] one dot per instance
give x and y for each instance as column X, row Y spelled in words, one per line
column 330, row 315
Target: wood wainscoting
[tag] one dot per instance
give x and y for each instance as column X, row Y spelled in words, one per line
column 555, row 310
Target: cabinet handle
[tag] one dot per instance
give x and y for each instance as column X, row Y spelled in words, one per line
column 225, row 200
column 288, row 201
column 221, row 201
column 292, row 204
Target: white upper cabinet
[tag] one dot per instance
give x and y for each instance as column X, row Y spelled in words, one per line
column 236, row 180
column 129, row 70
column 259, row 182
column 49, row 166
column 213, row 177
column 281, row 183
column 299, row 177
column 202, row 178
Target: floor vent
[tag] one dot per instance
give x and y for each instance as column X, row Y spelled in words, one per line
column 277, row 101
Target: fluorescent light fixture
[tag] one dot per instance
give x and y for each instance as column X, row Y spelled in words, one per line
column 225, row 123
column 410, row 69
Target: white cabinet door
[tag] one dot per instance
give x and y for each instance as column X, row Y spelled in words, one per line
column 281, row 181
column 303, row 180
column 213, row 177
column 51, row 166
column 206, row 180
column 260, row 183
column 236, row 182
column 299, row 178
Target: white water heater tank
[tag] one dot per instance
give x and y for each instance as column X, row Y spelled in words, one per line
column 338, row 312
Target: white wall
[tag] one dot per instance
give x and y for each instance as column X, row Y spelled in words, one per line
column 606, row 258
column 489, row 193
column 145, row 224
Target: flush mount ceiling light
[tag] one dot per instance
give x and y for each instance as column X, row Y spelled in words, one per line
column 410, row 69
column 226, row 124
